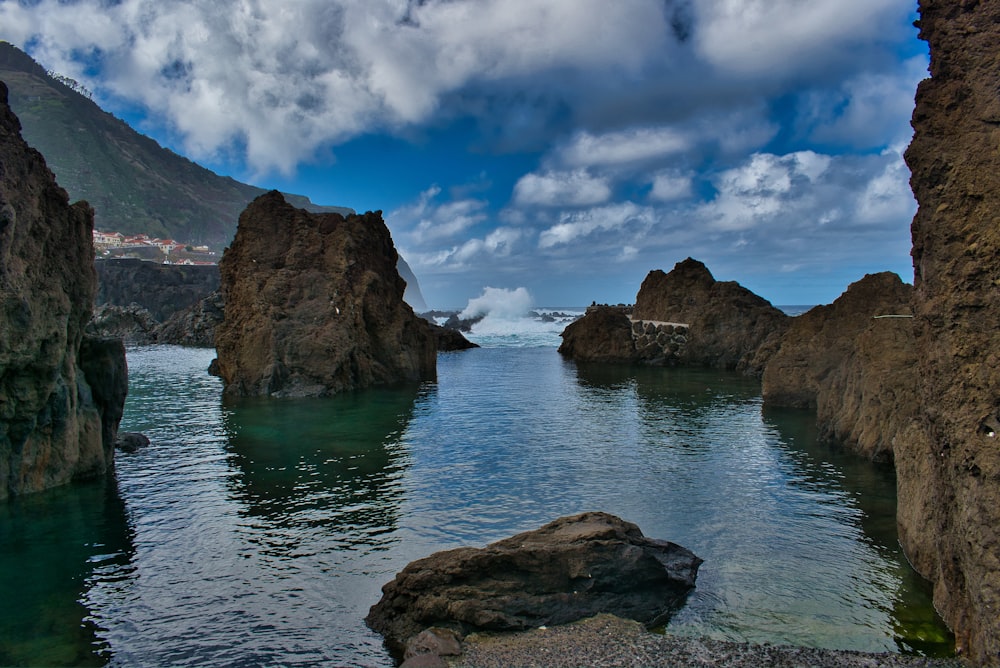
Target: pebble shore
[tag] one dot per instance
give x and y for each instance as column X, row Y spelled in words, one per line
column 606, row 640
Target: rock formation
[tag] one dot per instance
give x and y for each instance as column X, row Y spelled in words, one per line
column 314, row 306
column 948, row 463
column 730, row 327
column 161, row 289
column 604, row 334
column 61, row 396
column 685, row 317
column 569, row 569
column 852, row 361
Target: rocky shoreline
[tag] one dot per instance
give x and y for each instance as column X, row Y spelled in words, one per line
column 606, row 640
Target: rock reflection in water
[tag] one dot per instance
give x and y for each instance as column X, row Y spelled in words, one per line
column 798, row 537
column 54, row 547
column 327, row 466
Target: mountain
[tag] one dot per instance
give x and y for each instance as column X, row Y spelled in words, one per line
column 134, row 184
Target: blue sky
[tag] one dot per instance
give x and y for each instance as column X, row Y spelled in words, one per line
column 566, row 147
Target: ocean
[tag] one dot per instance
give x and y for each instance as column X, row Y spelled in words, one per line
column 260, row 532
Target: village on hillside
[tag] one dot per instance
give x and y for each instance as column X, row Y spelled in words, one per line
column 113, row 245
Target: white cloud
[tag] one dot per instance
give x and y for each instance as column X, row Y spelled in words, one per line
column 578, row 224
column 887, row 197
column 780, row 37
column 669, row 186
column 871, row 109
column 623, row 147
column 428, row 221
column 575, row 188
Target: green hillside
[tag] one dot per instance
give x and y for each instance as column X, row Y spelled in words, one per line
column 134, row 184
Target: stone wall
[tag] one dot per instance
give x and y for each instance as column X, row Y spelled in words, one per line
column 659, row 342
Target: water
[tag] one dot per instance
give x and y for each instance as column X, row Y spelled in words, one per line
column 259, row 533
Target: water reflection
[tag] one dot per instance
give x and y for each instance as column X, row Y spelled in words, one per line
column 327, row 466
column 53, row 547
column 871, row 488
column 798, row 537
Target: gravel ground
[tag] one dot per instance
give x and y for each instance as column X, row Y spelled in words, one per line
column 606, row 640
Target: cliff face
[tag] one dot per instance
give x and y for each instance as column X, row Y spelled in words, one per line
column 57, row 420
column 948, row 464
column 314, row 306
column 162, row 289
column 854, row 368
column 730, row 327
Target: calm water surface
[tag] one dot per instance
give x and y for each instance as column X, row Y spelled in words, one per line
column 259, row 533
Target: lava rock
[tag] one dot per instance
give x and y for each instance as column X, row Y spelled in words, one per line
column 569, row 569
column 604, row 334
column 730, row 327
column 54, row 425
column 314, row 306
column 948, row 462
column 853, row 362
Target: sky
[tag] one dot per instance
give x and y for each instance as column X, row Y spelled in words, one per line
column 560, row 147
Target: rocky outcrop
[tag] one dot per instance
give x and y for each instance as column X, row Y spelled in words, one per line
column 685, row 318
column 60, row 396
column 133, row 324
column 730, row 327
column 948, row 463
column 161, row 289
column 195, row 325
column 569, row 569
column 314, row 306
column 852, row 362
column 449, row 340
column 604, row 334
column 148, row 303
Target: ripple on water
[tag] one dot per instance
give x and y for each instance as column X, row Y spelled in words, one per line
column 259, row 533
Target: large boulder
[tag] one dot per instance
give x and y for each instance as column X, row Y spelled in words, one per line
column 569, row 569
column 60, row 399
column 314, row 306
column 853, row 362
column 729, row 326
column 604, row 334
column 948, row 464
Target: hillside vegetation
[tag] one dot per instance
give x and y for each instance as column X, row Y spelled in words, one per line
column 134, row 184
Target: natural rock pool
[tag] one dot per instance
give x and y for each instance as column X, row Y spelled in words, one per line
column 261, row 532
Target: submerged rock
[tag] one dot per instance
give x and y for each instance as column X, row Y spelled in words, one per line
column 569, row 569
column 60, row 396
column 314, row 306
column 131, row 441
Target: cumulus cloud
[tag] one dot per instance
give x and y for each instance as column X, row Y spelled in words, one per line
column 871, row 109
column 779, row 38
column 623, row 147
column 763, row 130
column 670, row 185
column 575, row 188
column 573, row 226
column 274, row 82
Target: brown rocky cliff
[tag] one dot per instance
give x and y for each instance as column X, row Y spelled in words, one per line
column 314, row 306
column 604, row 334
column 730, row 326
column 948, row 464
column 854, row 368
column 54, row 426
